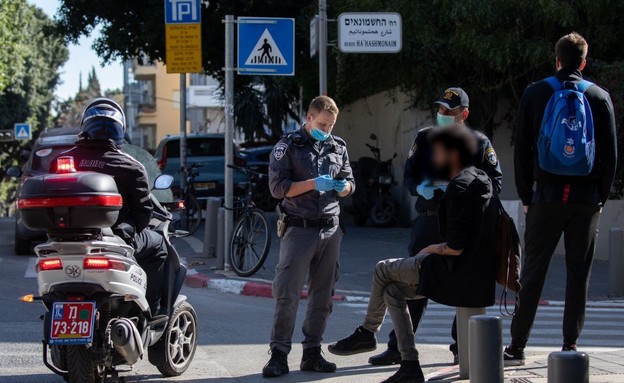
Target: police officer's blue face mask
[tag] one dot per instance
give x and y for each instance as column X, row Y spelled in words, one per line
column 318, row 134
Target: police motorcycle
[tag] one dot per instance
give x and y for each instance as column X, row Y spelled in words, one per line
column 374, row 180
column 97, row 318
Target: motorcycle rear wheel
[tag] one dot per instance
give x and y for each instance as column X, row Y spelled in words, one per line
column 80, row 366
column 383, row 213
column 173, row 353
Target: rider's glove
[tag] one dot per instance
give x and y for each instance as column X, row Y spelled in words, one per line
column 340, row 185
column 324, row 183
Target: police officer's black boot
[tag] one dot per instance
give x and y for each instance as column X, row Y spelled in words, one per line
column 312, row 360
column 277, row 365
column 410, row 372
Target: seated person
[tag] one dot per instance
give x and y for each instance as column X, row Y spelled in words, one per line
column 458, row 272
column 103, row 127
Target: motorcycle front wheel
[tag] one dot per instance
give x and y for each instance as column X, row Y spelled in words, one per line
column 80, row 366
column 383, row 213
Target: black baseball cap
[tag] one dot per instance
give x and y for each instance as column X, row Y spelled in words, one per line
column 453, row 98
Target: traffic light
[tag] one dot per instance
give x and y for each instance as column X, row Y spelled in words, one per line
column 6, row 135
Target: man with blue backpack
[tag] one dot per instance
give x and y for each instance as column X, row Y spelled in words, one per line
column 565, row 160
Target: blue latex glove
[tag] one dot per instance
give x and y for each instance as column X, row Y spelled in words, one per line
column 324, row 183
column 427, row 189
column 340, row 185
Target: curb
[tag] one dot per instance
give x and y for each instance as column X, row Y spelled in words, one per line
column 264, row 290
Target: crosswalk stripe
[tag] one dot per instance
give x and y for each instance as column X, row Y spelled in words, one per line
column 31, row 271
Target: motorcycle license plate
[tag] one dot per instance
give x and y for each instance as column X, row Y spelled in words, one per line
column 72, row 323
column 205, row 185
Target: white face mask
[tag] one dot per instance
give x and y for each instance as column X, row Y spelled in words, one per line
column 444, row 120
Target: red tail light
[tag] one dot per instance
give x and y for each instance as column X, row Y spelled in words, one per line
column 240, row 162
column 65, row 164
column 97, row 200
column 181, row 205
column 163, row 159
column 49, row 264
column 99, row 263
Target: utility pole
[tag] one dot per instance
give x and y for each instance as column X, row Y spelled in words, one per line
column 322, row 47
column 229, row 133
column 182, row 130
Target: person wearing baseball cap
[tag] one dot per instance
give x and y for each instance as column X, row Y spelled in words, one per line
column 424, row 183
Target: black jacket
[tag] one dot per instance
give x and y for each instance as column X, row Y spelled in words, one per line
column 419, row 166
column 592, row 189
column 467, row 217
column 130, row 176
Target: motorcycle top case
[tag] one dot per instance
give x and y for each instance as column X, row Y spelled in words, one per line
column 82, row 200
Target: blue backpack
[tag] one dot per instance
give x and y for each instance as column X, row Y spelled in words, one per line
column 566, row 143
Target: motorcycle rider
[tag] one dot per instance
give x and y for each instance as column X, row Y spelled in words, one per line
column 420, row 179
column 103, row 126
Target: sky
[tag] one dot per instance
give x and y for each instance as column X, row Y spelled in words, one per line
column 81, row 59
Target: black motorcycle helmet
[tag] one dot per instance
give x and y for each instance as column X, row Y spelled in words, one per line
column 103, row 119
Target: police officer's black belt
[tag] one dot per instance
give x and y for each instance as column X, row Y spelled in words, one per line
column 320, row 223
column 427, row 213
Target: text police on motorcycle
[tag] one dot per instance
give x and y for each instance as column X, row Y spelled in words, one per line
column 309, row 170
column 424, row 182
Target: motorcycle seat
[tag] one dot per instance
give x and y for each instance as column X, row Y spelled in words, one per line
column 109, row 236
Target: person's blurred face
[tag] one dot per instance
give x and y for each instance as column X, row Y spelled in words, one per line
column 323, row 120
column 442, row 159
column 460, row 114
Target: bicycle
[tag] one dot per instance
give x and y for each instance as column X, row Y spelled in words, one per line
column 251, row 238
column 191, row 215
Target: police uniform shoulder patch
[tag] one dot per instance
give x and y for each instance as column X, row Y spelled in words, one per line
column 490, row 155
column 279, row 151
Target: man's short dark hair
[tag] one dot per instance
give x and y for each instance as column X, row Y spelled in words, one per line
column 571, row 50
column 457, row 138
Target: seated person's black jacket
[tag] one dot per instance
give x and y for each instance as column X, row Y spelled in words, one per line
column 130, row 177
column 468, row 218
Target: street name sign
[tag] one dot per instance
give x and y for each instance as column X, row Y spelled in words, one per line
column 266, row 46
column 370, row 32
column 183, row 36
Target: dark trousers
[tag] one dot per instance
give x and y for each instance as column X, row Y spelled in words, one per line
column 151, row 253
column 425, row 232
column 545, row 223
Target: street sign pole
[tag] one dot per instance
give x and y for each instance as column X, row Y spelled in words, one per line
column 229, row 134
column 322, row 47
column 183, row 130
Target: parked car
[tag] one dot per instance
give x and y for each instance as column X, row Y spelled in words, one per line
column 207, row 150
column 258, row 159
column 49, row 144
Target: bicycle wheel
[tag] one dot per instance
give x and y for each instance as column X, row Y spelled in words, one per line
column 191, row 217
column 250, row 243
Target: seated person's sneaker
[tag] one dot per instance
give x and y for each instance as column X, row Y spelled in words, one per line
column 277, row 366
column 568, row 347
column 387, row 358
column 360, row 341
column 513, row 356
column 410, row 372
column 312, row 360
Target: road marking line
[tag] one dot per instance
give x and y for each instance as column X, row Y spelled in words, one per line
column 31, row 271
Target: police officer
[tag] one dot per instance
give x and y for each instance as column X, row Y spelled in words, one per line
column 309, row 170
column 422, row 181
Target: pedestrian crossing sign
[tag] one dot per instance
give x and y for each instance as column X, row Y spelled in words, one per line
column 22, row 131
column 266, row 46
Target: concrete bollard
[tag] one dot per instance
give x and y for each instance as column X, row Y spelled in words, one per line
column 486, row 343
column 210, row 230
column 568, row 367
column 616, row 261
column 221, row 239
column 463, row 338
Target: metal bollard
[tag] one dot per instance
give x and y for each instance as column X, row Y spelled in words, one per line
column 616, row 261
column 486, row 343
column 568, row 367
column 463, row 338
column 210, row 231
column 221, row 239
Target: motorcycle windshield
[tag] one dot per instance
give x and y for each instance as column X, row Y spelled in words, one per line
column 151, row 166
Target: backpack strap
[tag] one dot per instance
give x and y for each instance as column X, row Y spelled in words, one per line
column 554, row 83
column 583, row 85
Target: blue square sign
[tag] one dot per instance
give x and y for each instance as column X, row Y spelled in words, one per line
column 22, row 131
column 266, row 46
column 182, row 11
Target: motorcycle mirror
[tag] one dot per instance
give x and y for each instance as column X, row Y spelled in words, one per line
column 373, row 136
column 14, row 172
column 163, row 182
